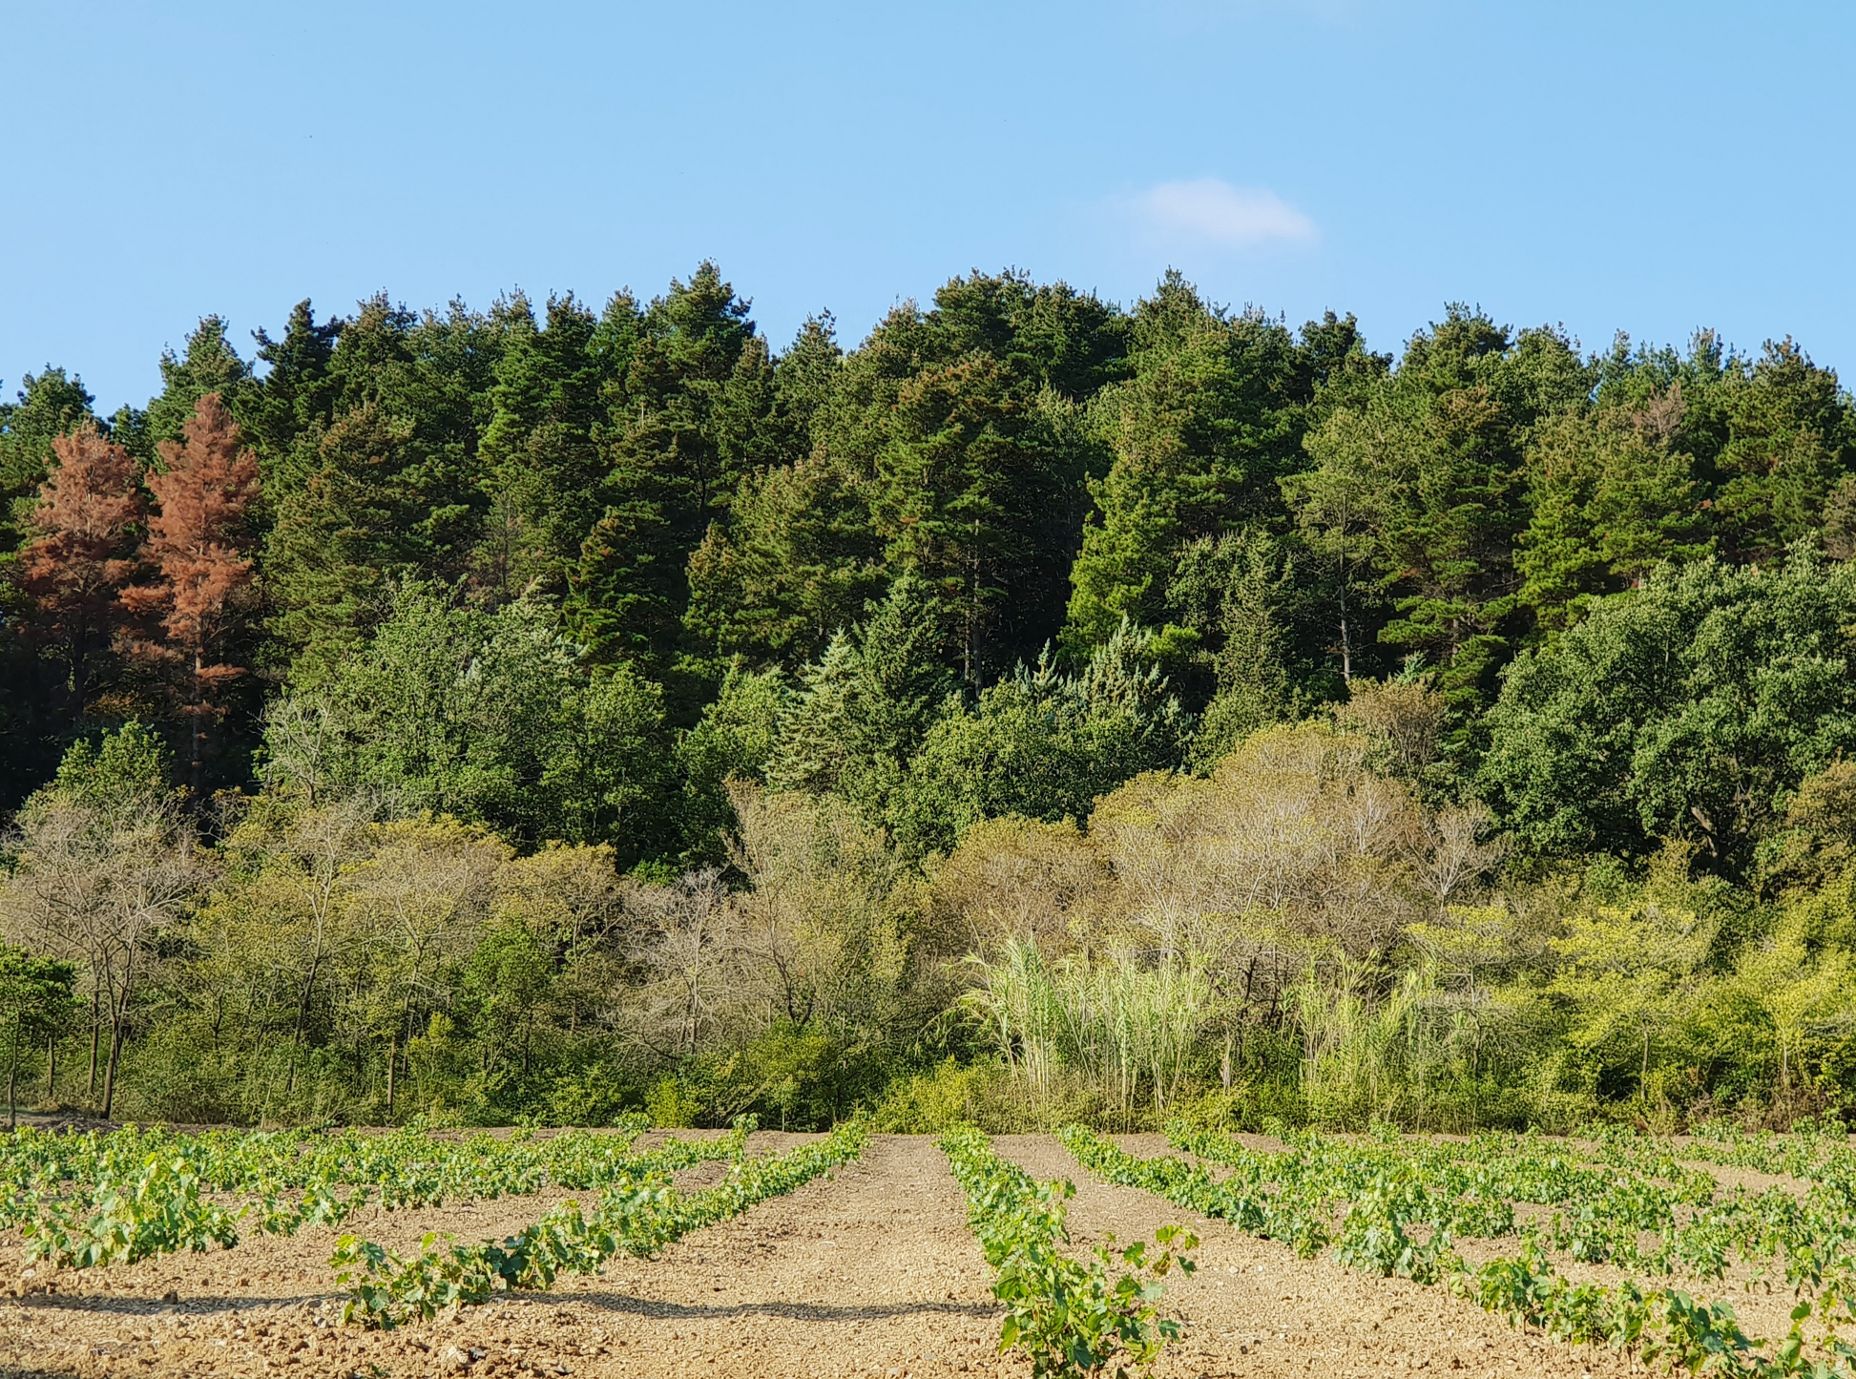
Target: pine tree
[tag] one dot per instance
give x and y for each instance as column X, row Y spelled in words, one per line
column 697, row 376
column 1790, row 436
column 681, row 428
column 1609, row 501
column 540, row 453
column 51, row 404
column 209, row 364
column 1201, row 434
column 973, row 493
column 199, row 554
column 346, row 526
column 803, row 380
column 298, row 391
column 428, row 378
column 1418, row 487
column 797, row 560
column 82, row 555
column 813, row 749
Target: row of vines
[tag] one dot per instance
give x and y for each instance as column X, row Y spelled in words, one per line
column 83, row 1201
column 1390, row 1205
column 1398, row 1207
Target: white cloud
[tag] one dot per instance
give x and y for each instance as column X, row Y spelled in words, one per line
column 1209, row 210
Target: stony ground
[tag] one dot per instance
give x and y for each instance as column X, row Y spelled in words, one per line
column 871, row 1272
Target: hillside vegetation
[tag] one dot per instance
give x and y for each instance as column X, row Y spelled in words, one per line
column 1044, row 711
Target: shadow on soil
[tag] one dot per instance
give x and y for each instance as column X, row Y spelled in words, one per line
column 791, row 1311
column 191, row 1305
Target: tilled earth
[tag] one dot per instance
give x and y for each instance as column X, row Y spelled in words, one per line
column 870, row 1272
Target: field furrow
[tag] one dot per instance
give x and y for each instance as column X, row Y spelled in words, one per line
column 867, row 1272
column 1253, row 1309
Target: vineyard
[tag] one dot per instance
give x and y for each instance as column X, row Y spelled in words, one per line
column 629, row 1251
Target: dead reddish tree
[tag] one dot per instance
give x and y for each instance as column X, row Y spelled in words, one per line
column 197, row 545
column 87, row 522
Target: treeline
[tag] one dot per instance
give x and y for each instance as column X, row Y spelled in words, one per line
column 548, row 711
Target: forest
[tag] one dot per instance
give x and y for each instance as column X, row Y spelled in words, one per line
column 1044, row 710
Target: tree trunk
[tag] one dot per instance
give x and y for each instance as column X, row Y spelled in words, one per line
column 12, row 1077
column 96, row 1030
column 302, row 1019
column 119, row 1024
column 197, row 767
column 109, row 1071
column 80, row 678
column 393, row 1053
column 1346, row 642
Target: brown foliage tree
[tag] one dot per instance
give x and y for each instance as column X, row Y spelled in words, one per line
column 89, row 515
column 197, row 546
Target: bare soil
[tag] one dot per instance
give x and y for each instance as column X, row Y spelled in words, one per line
column 870, row 1272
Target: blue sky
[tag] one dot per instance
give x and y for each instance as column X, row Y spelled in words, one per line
column 1649, row 167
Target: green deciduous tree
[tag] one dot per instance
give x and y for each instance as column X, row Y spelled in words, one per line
column 1042, row 744
column 107, row 867
column 1689, row 709
column 37, row 1001
column 489, row 715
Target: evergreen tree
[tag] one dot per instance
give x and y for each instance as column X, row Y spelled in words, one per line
column 430, row 377
column 199, row 557
column 797, row 560
column 208, row 364
column 901, row 684
column 82, row 555
column 973, row 493
column 346, row 525
column 1418, row 488
column 1790, row 437
column 867, row 704
column 1201, row 434
column 813, row 749
column 1609, row 501
column 540, row 453
column 1258, row 624
column 681, row 427
column 803, row 380
column 51, row 404
column 297, row 392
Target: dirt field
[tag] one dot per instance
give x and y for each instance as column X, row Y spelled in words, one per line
column 871, row 1272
